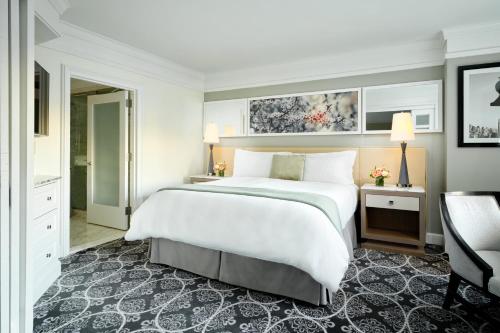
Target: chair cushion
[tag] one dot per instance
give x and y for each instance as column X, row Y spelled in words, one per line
column 492, row 258
column 477, row 220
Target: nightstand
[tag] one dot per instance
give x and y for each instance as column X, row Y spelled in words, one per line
column 393, row 218
column 203, row 179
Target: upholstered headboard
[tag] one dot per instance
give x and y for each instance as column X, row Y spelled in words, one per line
column 367, row 159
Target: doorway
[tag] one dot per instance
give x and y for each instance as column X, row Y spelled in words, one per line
column 99, row 163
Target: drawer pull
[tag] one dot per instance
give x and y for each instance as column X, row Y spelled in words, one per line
column 49, row 227
column 391, row 202
column 49, row 198
column 48, row 255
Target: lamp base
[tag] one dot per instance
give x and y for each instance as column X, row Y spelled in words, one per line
column 404, row 180
column 210, row 170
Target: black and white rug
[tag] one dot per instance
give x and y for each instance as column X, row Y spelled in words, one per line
column 113, row 288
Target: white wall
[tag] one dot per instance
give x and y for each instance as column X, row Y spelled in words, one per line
column 171, row 122
column 467, row 169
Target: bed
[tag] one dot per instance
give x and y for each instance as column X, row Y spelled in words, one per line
column 261, row 242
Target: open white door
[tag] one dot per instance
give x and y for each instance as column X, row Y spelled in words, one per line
column 107, row 155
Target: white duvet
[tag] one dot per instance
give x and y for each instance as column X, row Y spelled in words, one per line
column 281, row 231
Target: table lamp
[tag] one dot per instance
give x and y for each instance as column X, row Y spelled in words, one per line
column 402, row 130
column 211, row 137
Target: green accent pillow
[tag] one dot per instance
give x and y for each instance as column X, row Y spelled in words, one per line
column 289, row 167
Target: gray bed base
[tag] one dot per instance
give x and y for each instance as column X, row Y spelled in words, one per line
column 251, row 273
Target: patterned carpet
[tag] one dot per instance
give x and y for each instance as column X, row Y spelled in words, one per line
column 113, row 288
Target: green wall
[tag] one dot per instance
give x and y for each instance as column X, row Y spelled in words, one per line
column 433, row 142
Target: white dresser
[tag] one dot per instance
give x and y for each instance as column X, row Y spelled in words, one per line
column 45, row 234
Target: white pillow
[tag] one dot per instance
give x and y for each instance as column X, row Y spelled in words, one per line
column 252, row 163
column 330, row 167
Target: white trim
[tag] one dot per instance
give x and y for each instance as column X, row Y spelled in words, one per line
column 47, row 25
column 472, row 40
column 22, row 139
column 435, row 239
column 4, row 169
column 87, row 44
column 358, row 131
column 15, row 176
column 69, row 72
column 393, row 58
column 60, row 5
column 82, row 43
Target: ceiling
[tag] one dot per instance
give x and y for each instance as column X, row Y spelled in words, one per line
column 221, row 35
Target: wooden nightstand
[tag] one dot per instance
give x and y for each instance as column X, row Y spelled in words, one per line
column 393, row 218
column 203, row 179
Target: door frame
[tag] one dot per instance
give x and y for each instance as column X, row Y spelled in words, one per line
column 69, row 72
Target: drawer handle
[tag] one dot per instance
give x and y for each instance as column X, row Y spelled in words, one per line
column 391, row 202
column 49, row 227
column 49, row 198
column 48, row 255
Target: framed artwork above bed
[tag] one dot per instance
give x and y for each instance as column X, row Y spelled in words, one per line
column 317, row 113
column 479, row 105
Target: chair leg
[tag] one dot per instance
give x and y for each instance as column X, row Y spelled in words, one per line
column 452, row 290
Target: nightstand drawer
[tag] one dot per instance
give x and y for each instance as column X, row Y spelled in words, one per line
column 393, row 202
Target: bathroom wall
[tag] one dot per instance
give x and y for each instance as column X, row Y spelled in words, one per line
column 78, row 154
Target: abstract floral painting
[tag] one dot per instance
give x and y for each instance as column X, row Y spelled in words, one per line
column 329, row 112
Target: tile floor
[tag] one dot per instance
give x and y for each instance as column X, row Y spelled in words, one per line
column 85, row 235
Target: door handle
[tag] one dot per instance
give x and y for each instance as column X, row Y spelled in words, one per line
column 89, row 163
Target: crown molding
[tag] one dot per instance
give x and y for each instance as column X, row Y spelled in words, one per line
column 393, row 58
column 81, row 43
column 92, row 46
column 466, row 41
column 60, row 5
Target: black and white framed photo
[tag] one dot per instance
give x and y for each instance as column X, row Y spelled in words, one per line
column 316, row 113
column 479, row 105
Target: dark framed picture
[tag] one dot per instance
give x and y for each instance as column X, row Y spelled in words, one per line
column 479, row 105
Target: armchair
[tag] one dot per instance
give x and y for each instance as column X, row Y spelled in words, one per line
column 471, row 225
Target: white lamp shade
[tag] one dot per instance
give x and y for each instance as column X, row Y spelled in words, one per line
column 211, row 133
column 402, row 127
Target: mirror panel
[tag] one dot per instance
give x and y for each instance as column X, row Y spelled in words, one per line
column 422, row 99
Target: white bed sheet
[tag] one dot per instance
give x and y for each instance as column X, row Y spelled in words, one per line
column 346, row 196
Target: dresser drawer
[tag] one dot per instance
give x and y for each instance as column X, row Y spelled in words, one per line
column 46, row 198
column 393, row 202
column 44, row 256
column 45, row 229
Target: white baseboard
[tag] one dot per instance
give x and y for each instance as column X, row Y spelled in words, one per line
column 435, row 239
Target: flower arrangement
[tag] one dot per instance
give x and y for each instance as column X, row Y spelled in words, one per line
column 219, row 168
column 379, row 174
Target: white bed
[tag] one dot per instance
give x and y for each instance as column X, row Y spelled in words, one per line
column 285, row 232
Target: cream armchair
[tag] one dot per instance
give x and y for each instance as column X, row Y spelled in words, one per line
column 471, row 225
